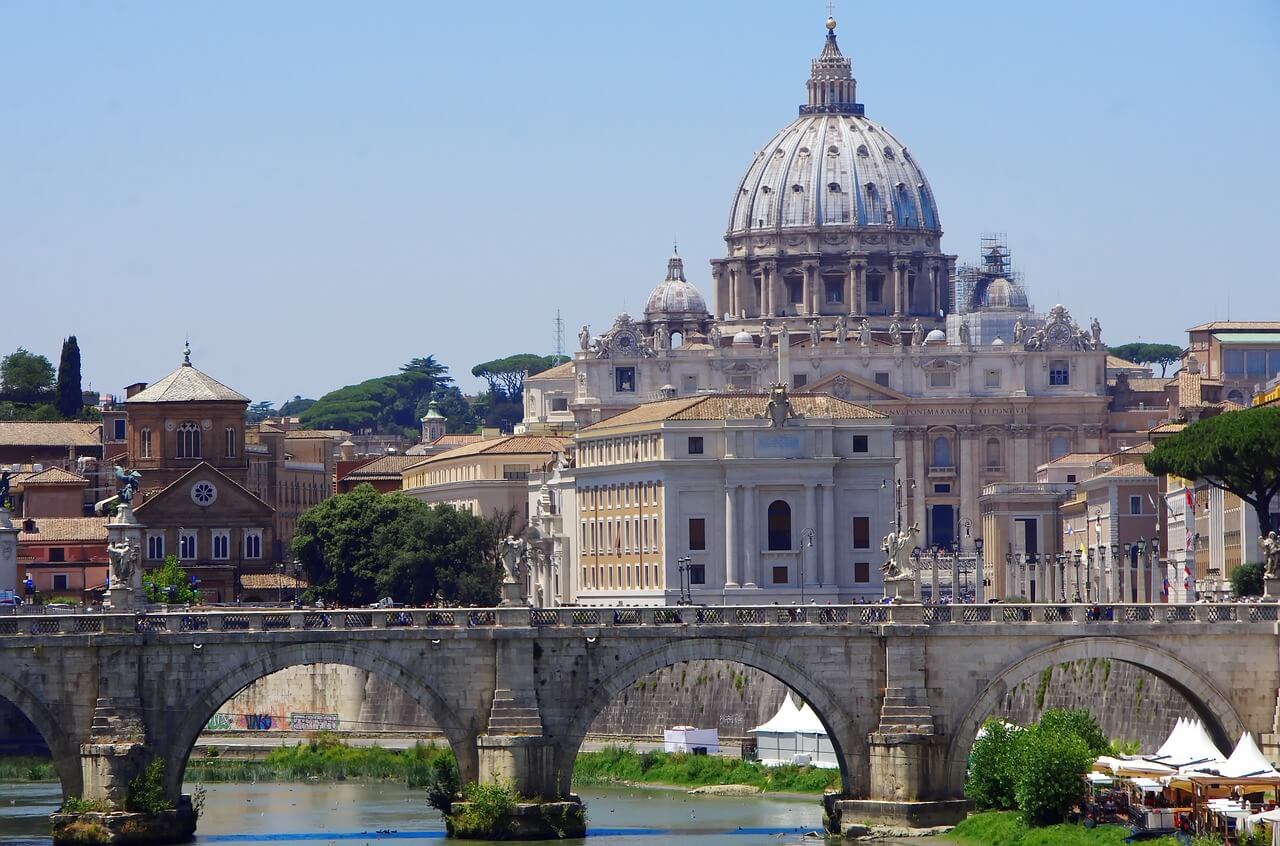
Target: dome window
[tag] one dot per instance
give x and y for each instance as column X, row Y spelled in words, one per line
column 797, row 188
column 765, row 189
column 888, row 154
column 779, row 153
column 834, row 187
column 833, row 150
column 862, row 150
column 804, row 151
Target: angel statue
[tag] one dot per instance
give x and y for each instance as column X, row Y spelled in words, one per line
column 128, row 480
column 4, row 487
column 515, row 552
column 897, row 550
column 1271, row 555
column 123, row 557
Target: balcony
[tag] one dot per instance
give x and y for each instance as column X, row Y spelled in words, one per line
column 941, row 471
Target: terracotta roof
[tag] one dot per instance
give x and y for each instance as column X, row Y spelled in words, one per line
column 271, row 581
column 55, row 529
column 506, row 445
column 1134, row 470
column 1190, row 391
column 733, row 406
column 56, row 434
column 1228, row 405
column 186, row 384
column 1168, row 427
column 314, row 434
column 386, row 467
column 1143, row 448
column 1238, row 325
column 1151, row 386
column 560, row 371
column 54, row 476
column 268, row 428
column 1119, row 363
column 1078, row 457
column 456, row 440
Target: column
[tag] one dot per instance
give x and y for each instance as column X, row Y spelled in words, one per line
column 857, row 270
column 899, row 287
column 807, row 557
column 1113, row 578
column 751, row 534
column 935, row 293
column 1022, row 471
column 811, row 288
column 969, row 480
column 827, row 575
column 731, row 568
column 1143, row 596
column 919, row 449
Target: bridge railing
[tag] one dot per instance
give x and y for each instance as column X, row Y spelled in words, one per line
column 226, row 620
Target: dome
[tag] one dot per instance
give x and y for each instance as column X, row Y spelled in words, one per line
column 832, row 167
column 998, row 342
column 675, row 298
column 744, row 339
column 936, row 336
column 1002, row 293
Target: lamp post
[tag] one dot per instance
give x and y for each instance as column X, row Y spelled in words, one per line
column 280, row 583
column 1114, row 585
column 1088, row 575
column 915, row 568
column 897, row 514
column 1079, row 556
column 1140, row 559
column 1062, row 576
column 685, row 591
column 297, row 583
column 1157, row 587
column 1009, row 577
column 806, row 542
column 980, row 574
column 1022, row 575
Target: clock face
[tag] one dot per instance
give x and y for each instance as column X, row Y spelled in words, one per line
column 204, row 493
column 624, row 341
column 1059, row 336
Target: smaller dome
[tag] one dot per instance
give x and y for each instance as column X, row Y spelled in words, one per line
column 1002, row 293
column 936, row 336
column 998, row 342
column 744, row 339
column 675, row 298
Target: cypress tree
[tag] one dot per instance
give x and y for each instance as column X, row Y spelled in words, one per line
column 69, row 399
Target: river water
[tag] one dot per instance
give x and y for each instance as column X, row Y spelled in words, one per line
column 351, row 814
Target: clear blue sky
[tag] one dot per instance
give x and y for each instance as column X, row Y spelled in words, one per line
column 319, row 191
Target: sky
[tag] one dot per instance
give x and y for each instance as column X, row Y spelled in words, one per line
column 317, row 192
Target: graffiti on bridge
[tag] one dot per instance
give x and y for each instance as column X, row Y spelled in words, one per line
column 297, row 721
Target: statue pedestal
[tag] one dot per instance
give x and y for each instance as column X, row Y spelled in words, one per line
column 512, row 594
column 126, row 528
column 8, row 553
column 902, row 589
column 1270, row 591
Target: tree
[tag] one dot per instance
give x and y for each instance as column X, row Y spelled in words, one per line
column 296, row 406
column 1079, row 722
column 384, row 404
column 26, row 377
column 1050, row 775
column 1238, row 451
column 70, row 398
column 1140, row 353
column 1246, row 579
column 169, row 584
column 259, row 411
column 505, row 376
column 993, row 767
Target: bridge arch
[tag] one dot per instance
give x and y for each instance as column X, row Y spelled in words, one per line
column 849, row 743
column 268, row 659
column 60, row 732
column 1220, row 717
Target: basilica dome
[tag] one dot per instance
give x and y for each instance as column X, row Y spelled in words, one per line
column 832, row 167
column 675, row 298
column 1002, row 293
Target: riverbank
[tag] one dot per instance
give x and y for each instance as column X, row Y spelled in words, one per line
column 1006, row 828
column 625, row 766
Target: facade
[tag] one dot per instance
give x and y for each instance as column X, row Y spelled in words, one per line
column 834, row 263
column 64, row 556
column 705, row 499
column 486, row 477
column 1241, row 354
column 385, row 473
column 291, row 471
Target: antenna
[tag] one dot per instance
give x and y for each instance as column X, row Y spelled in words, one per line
column 559, row 324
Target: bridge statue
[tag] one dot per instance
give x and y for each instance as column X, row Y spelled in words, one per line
column 1271, row 558
column 128, row 480
column 123, row 557
column 897, row 549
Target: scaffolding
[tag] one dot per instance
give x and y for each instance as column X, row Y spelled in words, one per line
column 972, row 279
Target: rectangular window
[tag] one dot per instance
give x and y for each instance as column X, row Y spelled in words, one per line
column 1059, row 372
column 155, row 547
column 697, row 574
column 835, row 290
column 559, row 403
column 1135, row 505
column 59, row 581
column 993, row 378
column 624, row 380
column 118, row 428
column 940, row 379
column 57, row 554
column 861, row 532
column 882, row 378
column 1256, row 363
column 1233, row 362
column 942, row 487
column 861, row 572
column 515, row 472
column 697, row 533
column 186, row 546
column 780, row 575
column 795, row 291
column 860, row 443
column 695, row 445
column 1071, row 478
column 799, row 380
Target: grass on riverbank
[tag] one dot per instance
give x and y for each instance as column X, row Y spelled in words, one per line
column 327, row 759
column 621, row 764
column 1006, row 828
column 26, row 768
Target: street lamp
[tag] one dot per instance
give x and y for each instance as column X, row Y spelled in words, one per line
column 1079, row 557
column 1156, row 564
column 297, row 582
column 1062, row 576
column 980, row 573
column 683, row 565
column 1022, row 575
column 806, row 542
column 897, row 515
column 1008, row 573
column 280, row 583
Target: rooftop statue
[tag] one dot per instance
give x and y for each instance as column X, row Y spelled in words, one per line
column 778, row 409
column 4, row 488
column 1271, row 555
column 128, row 480
column 123, row 557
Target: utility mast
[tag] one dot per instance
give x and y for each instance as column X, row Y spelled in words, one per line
column 559, row 323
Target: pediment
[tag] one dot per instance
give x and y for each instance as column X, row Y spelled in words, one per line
column 848, row 386
column 182, row 500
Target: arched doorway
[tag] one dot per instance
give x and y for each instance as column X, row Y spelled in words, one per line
column 848, row 740
column 1210, row 705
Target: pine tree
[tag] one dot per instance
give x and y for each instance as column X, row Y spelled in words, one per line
column 69, row 399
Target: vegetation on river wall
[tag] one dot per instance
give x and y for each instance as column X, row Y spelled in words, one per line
column 1007, row 828
column 619, row 764
column 328, row 759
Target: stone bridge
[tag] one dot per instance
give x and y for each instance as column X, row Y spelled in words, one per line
column 901, row 689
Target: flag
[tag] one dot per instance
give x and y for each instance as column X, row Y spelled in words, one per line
column 1070, row 529
column 1191, row 499
column 1151, row 500
column 1165, row 590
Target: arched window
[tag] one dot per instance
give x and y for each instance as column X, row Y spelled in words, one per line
column 875, row 206
column 993, row 454
column 188, row 441
column 1236, row 396
column 1058, row 447
column 904, row 209
column 677, row 340
column 941, row 452
column 926, row 209
column 231, row 442
column 779, row 525
column 144, row 443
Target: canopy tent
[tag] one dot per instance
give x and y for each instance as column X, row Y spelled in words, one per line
column 794, row 735
column 1188, row 746
column 1130, row 767
column 1246, row 761
column 687, row 738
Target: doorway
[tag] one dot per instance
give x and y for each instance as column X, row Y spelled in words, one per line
column 942, row 526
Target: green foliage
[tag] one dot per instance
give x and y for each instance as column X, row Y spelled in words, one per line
column 506, row 375
column 169, row 584
column 1004, row 828
column 361, row 546
column 146, row 791
column 26, row 768
column 1246, row 579
column 26, row 378
column 1050, row 779
column 1079, row 722
column 1238, row 452
column 1043, row 687
column 259, row 411
column 993, row 765
column 622, row 764
column 485, row 812
column 69, row 396
column 442, row 783
column 1140, row 353
column 76, row 805
column 296, row 406
column 390, row 404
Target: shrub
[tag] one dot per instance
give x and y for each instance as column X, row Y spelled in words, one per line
column 76, row 805
column 484, row 812
column 1246, row 580
column 441, row 783
column 1079, row 722
column 146, row 791
column 993, row 768
column 1050, row 774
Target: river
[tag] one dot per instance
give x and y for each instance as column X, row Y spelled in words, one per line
column 268, row 814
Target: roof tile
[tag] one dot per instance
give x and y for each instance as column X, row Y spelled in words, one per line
column 54, row 529
column 186, row 384
column 56, row 433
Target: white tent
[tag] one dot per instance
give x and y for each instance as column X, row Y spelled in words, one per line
column 1247, row 762
column 794, row 735
column 1188, row 747
column 687, row 738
